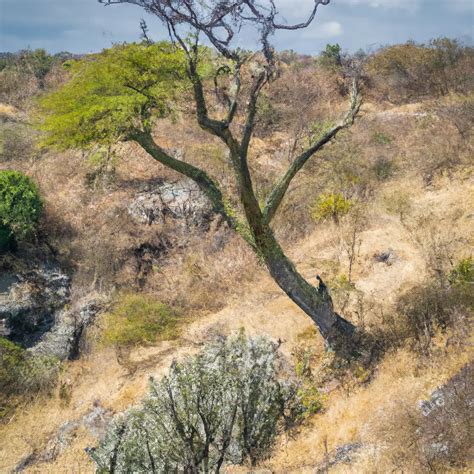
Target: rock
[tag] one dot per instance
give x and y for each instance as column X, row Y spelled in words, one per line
column 342, row 454
column 96, row 421
column 445, row 427
column 182, row 200
column 64, row 338
column 389, row 257
column 29, row 299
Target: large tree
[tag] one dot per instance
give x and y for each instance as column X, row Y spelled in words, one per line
column 120, row 94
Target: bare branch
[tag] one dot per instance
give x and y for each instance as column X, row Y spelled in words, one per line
column 278, row 192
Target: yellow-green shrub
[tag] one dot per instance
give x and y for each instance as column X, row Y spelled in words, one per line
column 137, row 319
column 330, row 205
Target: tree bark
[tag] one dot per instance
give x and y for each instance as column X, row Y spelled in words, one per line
column 338, row 333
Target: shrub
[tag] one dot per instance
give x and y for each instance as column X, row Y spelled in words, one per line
column 463, row 272
column 330, row 205
column 431, row 307
column 398, row 203
column 331, row 57
column 16, row 143
column 20, row 206
column 22, row 374
column 411, row 71
column 137, row 319
column 381, row 138
column 383, row 169
column 224, row 405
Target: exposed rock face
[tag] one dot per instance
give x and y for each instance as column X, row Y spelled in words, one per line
column 445, row 428
column 95, row 422
column 64, row 338
column 341, row 455
column 180, row 200
column 29, row 300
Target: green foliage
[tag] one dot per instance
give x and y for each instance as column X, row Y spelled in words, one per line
column 311, row 400
column 381, row 138
column 330, row 205
column 223, row 406
column 463, row 272
column 139, row 319
column 20, row 204
column 331, row 57
column 22, row 374
column 383, row 168
column 37, row 62
column 113, row 94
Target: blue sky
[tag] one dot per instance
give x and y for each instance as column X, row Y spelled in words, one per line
column 82, row 26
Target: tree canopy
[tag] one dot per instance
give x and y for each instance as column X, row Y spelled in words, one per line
column 20, row 205
column 112, row 94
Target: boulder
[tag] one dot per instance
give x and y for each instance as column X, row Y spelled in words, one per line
column 63, row 340
column 29, row 300
column 182, row 200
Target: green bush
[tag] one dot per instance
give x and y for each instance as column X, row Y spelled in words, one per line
column 463, row 272
column 223, row 406
column 330, row 205
column 331, row 57
column 20, row 206
column 137, row 319
column 22, row 375
column 383, row 169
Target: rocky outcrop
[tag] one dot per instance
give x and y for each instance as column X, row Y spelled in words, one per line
column 64, row 338
column 341, row 455
column 29, row 300
column 445, row 426
column 35, row 309
column 95, row 423
column 181, row 200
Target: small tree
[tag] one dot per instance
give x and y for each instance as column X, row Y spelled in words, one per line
column 223, row 406
column 331, row 57
column 120, row 94
column 20, row 207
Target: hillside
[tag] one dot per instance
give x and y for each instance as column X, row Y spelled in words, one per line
column 390, row 262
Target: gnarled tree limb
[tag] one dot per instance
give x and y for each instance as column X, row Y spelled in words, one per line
column 279, row 191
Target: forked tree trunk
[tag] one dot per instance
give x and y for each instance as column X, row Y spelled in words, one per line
column 337, row 332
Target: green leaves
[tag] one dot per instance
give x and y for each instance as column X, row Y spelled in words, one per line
column 20, row 204
column 112, row 94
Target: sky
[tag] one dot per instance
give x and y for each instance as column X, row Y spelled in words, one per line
column 83, row 26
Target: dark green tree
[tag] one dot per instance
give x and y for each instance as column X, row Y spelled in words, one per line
column 20, row 208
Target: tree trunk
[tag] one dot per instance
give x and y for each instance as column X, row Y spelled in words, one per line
column 337, row 332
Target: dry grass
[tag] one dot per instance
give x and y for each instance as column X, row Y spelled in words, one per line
column 216, row 281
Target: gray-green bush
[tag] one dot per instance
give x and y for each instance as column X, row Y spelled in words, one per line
column 225, row 405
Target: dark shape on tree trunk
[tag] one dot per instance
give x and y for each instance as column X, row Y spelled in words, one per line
column 220, row 22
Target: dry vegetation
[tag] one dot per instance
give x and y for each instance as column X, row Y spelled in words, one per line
column 405, row 167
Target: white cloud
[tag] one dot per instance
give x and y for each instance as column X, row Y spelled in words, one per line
column 327, row 29
column 403, row 4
